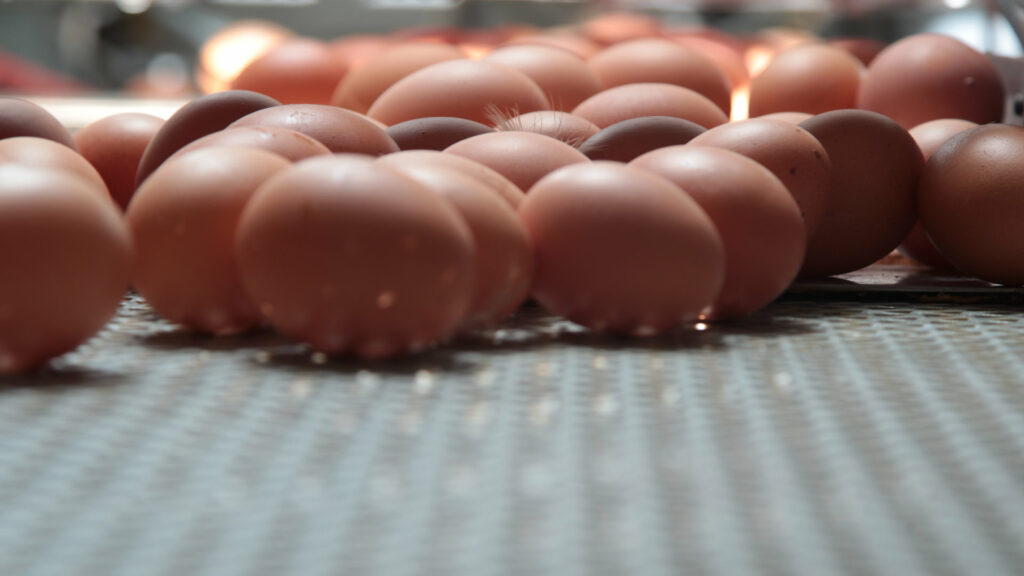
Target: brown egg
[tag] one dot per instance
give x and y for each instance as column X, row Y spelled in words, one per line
column 863, row 49
column 23, row 118
column 501, row 186
column 615, row 27
column 571, row 43
column 811, row 78
column 929, row 137
column 927, row 77
column 114, row 145
column 434, row 133
column 563, row 126
column 47, row 154
column 355, row 49
column 233, row 47
column 355, row 258
column 183, row 221
column 202, row 116
column 472, row 89
column 659, row 60
column 624, row 141
column 872, row 207
column 564, row 77
column 791, row 153
column 622, row 250
column 791, row 117
column 340, row 130
column 760, row 224
column 635, row 100
column 728, row 59
column 504, row 253
column 522, row 157
column 296, row 71
column 365, row 83
column 65, row 253
column 971, row 205
column 288, row 144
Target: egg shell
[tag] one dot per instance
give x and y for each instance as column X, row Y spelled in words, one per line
column 114, row 145
column 561, row 126
column 341, row 131
column 288, row 144
column 366, row 82
column 522, row 157
column 65, row 252
column 755, row 215
column 473, row 89
column 927, row 77
column 504, row 253
column 634, row 100
column 202, row 116
column 354, row 258
column 728, row 59
column 296, row 71
column 811, row 78
column 354, row 49
column 624, row 141
column 183, row 221
column 434, row 133
column 659, row 60
column 971, row 202
column 872, row 205
column 564, row 77
column 20, row 117
column 44, row 153
column 863, row 49
column 615, row 27
column 791, row 153
column 791, row 117
column 572, row 43
column 502, row 186
column 621, row 250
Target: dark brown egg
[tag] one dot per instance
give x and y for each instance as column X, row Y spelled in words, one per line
column 791, row 153
column 811, row 78
column 659, row 60
column 635, row 100
column 501, row 185
column 340, row 130
column 522, row 157
column 202, row 116
column 563, row 126
column 971, row 203
column 622, row 250
column 114, row 145
column 23, row 118
column 65, row 252
column 872, row 205
column 182, row 221
column 434, row 133
column 288, row 144
column 296, row 71
column 504, row 253
column 355, row 258
column 754, row 213
column 624, row 141
column 50, row 155
column 564, row 77
column 473, row 89
column 366, row 82
column 927, row 77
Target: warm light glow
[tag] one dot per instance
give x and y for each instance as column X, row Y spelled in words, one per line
column 740, row 103
column 475, row 51
column 758, row 57
column 229, row 51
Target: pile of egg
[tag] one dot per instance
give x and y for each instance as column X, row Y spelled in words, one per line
column 380, row 195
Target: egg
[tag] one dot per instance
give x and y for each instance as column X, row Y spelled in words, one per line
column 791, row 153
column 621, row 250
column 634, row 100
column 971, row 204
column 562, row 126
column 65, row 252
column 366, row 82
column 50, row 155
column 615, row 27
column 659, row 60
column 872, row 204
column 927, row 77
column 20, row 117
column 354, row 49
column 202, row 116
column 625, row 140
column 810, row 78
column 296, row 71
column 502, row 186
column 114, row 146
column 522, row 157
column 725, row 55
column 755, row 215
column 434, row 133
column 572, row 43
column 791, row 117
column 288, row 144
column 863, row 49
column 473, row 89
column 340, row 130
column 354, row 258
column 564, row 77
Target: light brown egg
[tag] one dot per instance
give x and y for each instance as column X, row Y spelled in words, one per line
column 791, row 117
column 565, row 78
column 635, row 100
column 20, row 117
column 563, row 126
column 863, row 49
column 341, row 131
column 296, row 71
column 434, row 133
column 366, row 82
column 288, row 144
column 50, row 155
column 473, row 89
column 355, row 49
column 114, row 146
column 811, row 78
column 624, row 141
column 522, row 157
column 572, row 43
column 615, row 27
column 726, row 56
column 502, row 186
column 621, row 250
column 65, row 252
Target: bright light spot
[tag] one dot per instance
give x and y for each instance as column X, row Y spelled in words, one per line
column 956, row 4
column 757, row 58
column 740, row 104
column 701, row 326
column 134, row 6
column 229, row 51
